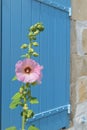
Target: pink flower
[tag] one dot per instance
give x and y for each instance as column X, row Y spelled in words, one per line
column 28, row 71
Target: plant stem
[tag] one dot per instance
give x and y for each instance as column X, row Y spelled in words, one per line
column 23, row 122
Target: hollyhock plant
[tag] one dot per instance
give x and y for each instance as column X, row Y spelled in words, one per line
column 29, row 72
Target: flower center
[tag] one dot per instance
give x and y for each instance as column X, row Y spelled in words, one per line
column 27, row 70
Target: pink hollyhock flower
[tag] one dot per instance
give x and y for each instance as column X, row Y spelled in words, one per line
column 28, row 71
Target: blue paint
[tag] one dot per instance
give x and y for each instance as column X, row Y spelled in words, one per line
column 54, row 50
column 65, row 3
column 0, row 57
column 55, row 4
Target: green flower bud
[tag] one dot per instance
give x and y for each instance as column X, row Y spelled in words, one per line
column 35, row 44
column 21, row 90
column 40, row 27
column 32, row 28
column 27, row 56
column 36, row 32
column 35, row 25
column 24, row 92
column 35, row 54
column 31, row 50
column 24, row 46
column 25, row 107
column 31, row 34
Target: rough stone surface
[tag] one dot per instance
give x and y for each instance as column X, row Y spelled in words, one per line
column 79, row 9
column 81, row 89
column 81, row 27
column 84, row 41
column 80, row 120
column 79, row 64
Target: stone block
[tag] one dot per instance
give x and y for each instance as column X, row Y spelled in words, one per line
column 80, row 120
column 81, row 31
column 81, row 89
column 79, row 9
column 84, row 41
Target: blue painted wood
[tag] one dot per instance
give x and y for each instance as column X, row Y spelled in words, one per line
column 54, row 50
column 0, row 57
column 56, row 4
column 60, row 3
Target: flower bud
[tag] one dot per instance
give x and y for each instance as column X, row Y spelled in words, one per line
column 36, row 32
column 35, row 54
column 21, row 90
column 32, row 28
column 24, row 46
column 31, row 50
column 25, row 107
column 35, row 44
column 30, row 34
column 40, row 27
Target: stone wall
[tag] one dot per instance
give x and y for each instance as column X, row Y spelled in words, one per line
column 79, row 64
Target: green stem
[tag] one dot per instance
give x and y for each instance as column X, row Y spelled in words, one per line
column 23, row 123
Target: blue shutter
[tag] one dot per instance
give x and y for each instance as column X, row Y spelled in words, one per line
column 52, row 113
column 0, row 59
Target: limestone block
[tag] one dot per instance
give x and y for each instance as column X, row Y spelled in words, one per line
column 81, row 89
column 73, row 37
column 84, row 66
column 84, row 41
column 81, row 31
column 80, row 120
column 79, row 9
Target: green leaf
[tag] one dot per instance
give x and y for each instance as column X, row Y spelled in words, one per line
column 33, row 128
column 11, row 128
column 16, row 96
column 25, row 56
column 14, row 78
column 34, row 100
column 14, row 103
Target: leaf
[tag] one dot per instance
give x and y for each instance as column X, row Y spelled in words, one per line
column 25, row 56
column 11, row 128
column 14, row 103
column 33, row 128
column 14, row 78
column 16, row 96
column 34, row 100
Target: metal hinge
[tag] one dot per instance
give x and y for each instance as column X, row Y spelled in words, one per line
column 51, row 112
column 56, row 5
column 70, row 12
column 69, row 108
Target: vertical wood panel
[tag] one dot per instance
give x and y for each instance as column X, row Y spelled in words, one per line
column 0, row 57
column 68, row 59
column 5, row 63
column 15, row 44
